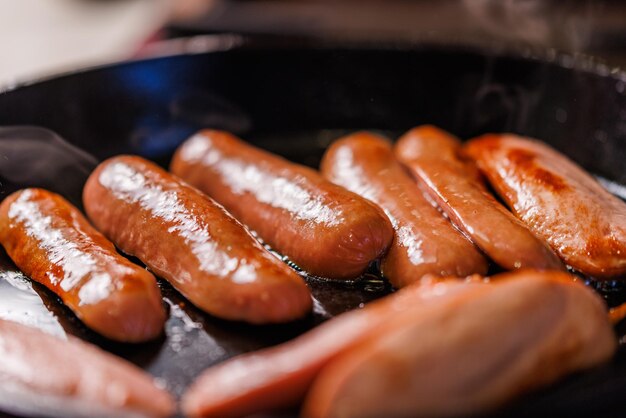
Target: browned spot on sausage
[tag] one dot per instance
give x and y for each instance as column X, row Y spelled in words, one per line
column 526, row 160
column 547, row 178
column 487, row 143
column 593, row 246
column 521, row 157
column 602, row 242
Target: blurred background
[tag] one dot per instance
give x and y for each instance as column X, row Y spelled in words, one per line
column 43, row 37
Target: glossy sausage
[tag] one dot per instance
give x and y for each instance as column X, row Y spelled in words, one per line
column 189, row 240
column 431, row 143
column 430, row 155
column 52, row 243
column 561, row 203
column 467, row 355
column 279, row 377
column 425, row 242
column 46, row 376
column 323, row 228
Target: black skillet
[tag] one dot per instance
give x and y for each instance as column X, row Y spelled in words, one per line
column 293, row 98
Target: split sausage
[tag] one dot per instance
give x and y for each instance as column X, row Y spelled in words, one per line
column 560, row 202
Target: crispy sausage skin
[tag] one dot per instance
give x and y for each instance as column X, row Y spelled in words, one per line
column 191, row 241
column 52, row 243
column 323, row 228
column 46, row 376
column 279, row 376
column 430, row 155
column 425, row 242
column 561, row 203
column 469, row 354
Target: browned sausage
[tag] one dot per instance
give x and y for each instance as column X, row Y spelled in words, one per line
column 425, row 242
column 469, row 354
column 323, row 228
column 189, row 240
column 279, row 377
column 562, row 204
column 430, row 156
column 433, row 143
column 51, row 242
column 46, row 376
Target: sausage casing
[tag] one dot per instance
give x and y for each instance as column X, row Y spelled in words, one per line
column 425, row 242
column 52, row 242
column 191, row 241
column 431, row 143
column 561, row 203
column 279, row 376
column 325, row 229
column 46, row 376
column 467, row 355
column 430, row 155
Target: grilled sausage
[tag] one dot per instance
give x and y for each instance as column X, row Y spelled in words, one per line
column 469, row 354
column 50, row 377
column 279, row 377
column 323, row 228
column 189, row 240
column 562, row 204
column 430, row 156
column 425, row 242
column 51, row 242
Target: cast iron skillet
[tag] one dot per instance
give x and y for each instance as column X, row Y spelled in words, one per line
column 293, row 98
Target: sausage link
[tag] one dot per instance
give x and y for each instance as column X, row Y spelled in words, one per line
column 45, row 376
column 52, row 243
column 468, row 355
column 431, row 156
column 322, row 227
column 279, row 377
column 425, row 242
column 191, row 241
column 561, row 203
column 431, row 143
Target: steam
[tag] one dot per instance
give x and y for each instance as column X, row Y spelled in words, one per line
column 564, row 24
column 35, row 157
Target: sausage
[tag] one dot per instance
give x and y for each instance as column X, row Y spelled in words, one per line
column 52, row 243
column 431, row 143
column 469, row 354
column 561, row 203
column 425, row 242
column 191, row 241
column 46, row 376
column 321, row 227
column 453, row 184
column 279, row 376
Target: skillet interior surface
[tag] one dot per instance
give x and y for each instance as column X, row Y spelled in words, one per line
column 294, row 99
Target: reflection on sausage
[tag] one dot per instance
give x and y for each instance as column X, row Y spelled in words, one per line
column 51, row 242
column 431, row 156
column 425, row 242
column 561, row 203
column 323, row 228
column 188, row 239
